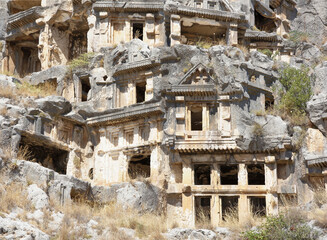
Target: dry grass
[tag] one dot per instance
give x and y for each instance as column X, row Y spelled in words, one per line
column 294, row 118
column 7, row 93
column 249, row 220
column 244, row 49
column 3, row 111
column 28, row 90
column 110, row 217
column 25, row 154
column 13, row 195
column 203, row 222
column 38, row 91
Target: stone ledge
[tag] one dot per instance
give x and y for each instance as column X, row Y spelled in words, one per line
column 136, row 66
column 208, row 13
column 128, row 113
column 22, row 18
column 189, row 89
column 317, row 162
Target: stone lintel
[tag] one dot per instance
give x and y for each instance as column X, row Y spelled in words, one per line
column 317, row 162
column 136, row 66
column 128, row 113
column 41, row 140
column 207, row 13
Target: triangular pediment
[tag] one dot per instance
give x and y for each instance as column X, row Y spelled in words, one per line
column 197, row 75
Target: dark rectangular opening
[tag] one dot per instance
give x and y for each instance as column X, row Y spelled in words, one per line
column 213, row 118
column 228, row 175
column 229, row 207
column 256, row 174
column 139, row 166
column 30, row 61
column 86, row 87
column 196, row 119
column 269, row 103
column 138, row 31
column 78, row 44
column 48, row 156
column 202, row 174
column 258, row 206
column 202, row 209
column 140, row 92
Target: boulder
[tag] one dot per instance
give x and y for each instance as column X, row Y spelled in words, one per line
column 320, row 83
column 309, row 53
column 317, row 108
column 311, row 18
column 261, row 60
column 37, row 197
column 54, row 105
column 140, row 196
column 190, row 234
column 17, row 229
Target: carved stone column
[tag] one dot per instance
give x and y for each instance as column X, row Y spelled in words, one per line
column 232, row 35
column 175, row 29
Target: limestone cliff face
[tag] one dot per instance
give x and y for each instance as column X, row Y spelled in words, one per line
column 173, row 93
column 312, row 19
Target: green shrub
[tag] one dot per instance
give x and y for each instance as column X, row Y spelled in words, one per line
column 82, row 61
column 267, row 52
column 278, row 227
column 297, row 89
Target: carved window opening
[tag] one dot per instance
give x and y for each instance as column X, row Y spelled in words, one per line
column 115, row 141
column 138, row 31
column 258, row 205
column 213, row 118
column 202, row 174
column 211, row 5
column 264, row 24
column 86, row 87
column 129, row 136
column 198, row 3
column 140, row 92
column 48, row 156
column 139, row 167
column 202, row 209
column 229, row 207
column 229, row 175
column 256, row 174
column 269, row 103
column 196, row 119
column 30, row 61
column 123, row 95
column 78, row 44
column 105, row 78
column 91, row 174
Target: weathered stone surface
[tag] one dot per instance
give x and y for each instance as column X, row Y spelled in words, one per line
column 316, row 107
column 3, row 21
column 309, row 53
column 37, row 197
column 140, row 196
column 17, row 229
column 190, row 234
column 54, row 105
column 311, row 19
column 261, row 60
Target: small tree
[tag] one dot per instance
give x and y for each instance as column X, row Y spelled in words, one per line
column 297, row 89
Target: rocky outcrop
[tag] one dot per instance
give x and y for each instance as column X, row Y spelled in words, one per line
column 12, row 228
column 62, row 188
column 54, row 105
column 312, row 20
